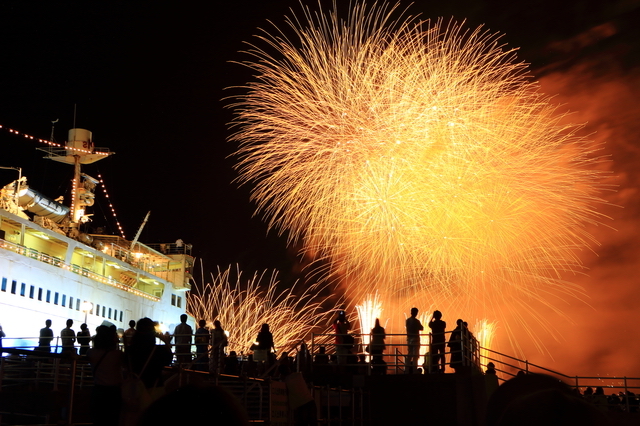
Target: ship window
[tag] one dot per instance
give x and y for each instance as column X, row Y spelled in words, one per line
column 173, row 300
column 109, row 316
column 71, row 303
column 4, row 284
column 77, row 304
column 98, row 310
column 55, row 298
column 23, row 289
column 104, row 309
column 32, row 291
column 64, row 300
column 48, row 296
column 120, row 316
column 40, row 293
column 115, row 314
column 179, row 302
column 14, row 284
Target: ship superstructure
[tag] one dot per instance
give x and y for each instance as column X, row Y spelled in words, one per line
column 49, row 269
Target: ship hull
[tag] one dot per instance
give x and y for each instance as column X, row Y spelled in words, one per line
column 35, row 287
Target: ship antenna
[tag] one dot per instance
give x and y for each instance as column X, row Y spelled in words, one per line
column 53, row 126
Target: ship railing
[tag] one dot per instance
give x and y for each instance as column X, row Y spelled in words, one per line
column 77, row 269
column 171, row 248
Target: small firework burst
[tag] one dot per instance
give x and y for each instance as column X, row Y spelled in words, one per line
column 243, row 304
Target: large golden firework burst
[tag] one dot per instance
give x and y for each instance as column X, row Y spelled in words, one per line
column 416, row 158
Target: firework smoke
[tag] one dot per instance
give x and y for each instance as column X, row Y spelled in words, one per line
column 417, row 159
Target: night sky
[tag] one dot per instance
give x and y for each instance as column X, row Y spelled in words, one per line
column 148, row 80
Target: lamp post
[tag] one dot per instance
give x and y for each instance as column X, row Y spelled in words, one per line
column 86, row 308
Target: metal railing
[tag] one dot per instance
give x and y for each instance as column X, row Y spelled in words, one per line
column 465, row 350
column 510, row 367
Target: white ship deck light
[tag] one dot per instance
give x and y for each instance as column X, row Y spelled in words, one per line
column 86, row 308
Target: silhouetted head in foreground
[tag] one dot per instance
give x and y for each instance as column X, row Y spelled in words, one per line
column 202, row 405
column 537, row 399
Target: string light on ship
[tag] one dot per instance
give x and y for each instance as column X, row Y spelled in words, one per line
column 113, row 211
column 54, row 144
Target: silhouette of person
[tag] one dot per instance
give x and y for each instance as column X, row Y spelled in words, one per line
column 321, row 358
column 2, row 335
column 197, row 405
column 265, row 338
column 146, row 359
column 68, row 338
column 599, row 400
column 264, row 345
column 344, row 342
column 468, row 344
column 303, row 360
column 301, row 401
column 455, row 345
column 84, row 338
column 537, row 399
column 377, row 346
column 414, row 327
column 183, row 333
column 437, row 346
column 107, row 362
column 128, row 334
column 250, row 367
column 202, row 345
column 46, row 336
column 219, row 341
column 491, row 379
column 231, row 364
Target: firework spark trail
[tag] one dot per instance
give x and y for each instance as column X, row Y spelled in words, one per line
column 485, row 331
column 368, row 312
column 244, row 304
column 416, row 158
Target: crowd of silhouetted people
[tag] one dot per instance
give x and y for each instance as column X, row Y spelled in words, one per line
column 130, row 374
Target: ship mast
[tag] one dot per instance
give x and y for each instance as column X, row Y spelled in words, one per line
column 79, row 150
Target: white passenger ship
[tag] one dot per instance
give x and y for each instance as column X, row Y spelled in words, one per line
column 50, row 269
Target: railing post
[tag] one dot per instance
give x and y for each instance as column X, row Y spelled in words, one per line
column 526, row 365
column 312, row 354
column 626, row 395
column 328, row 405
column 56, row 373
column 74, row 364
column 2, row 366
column 340, row 404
